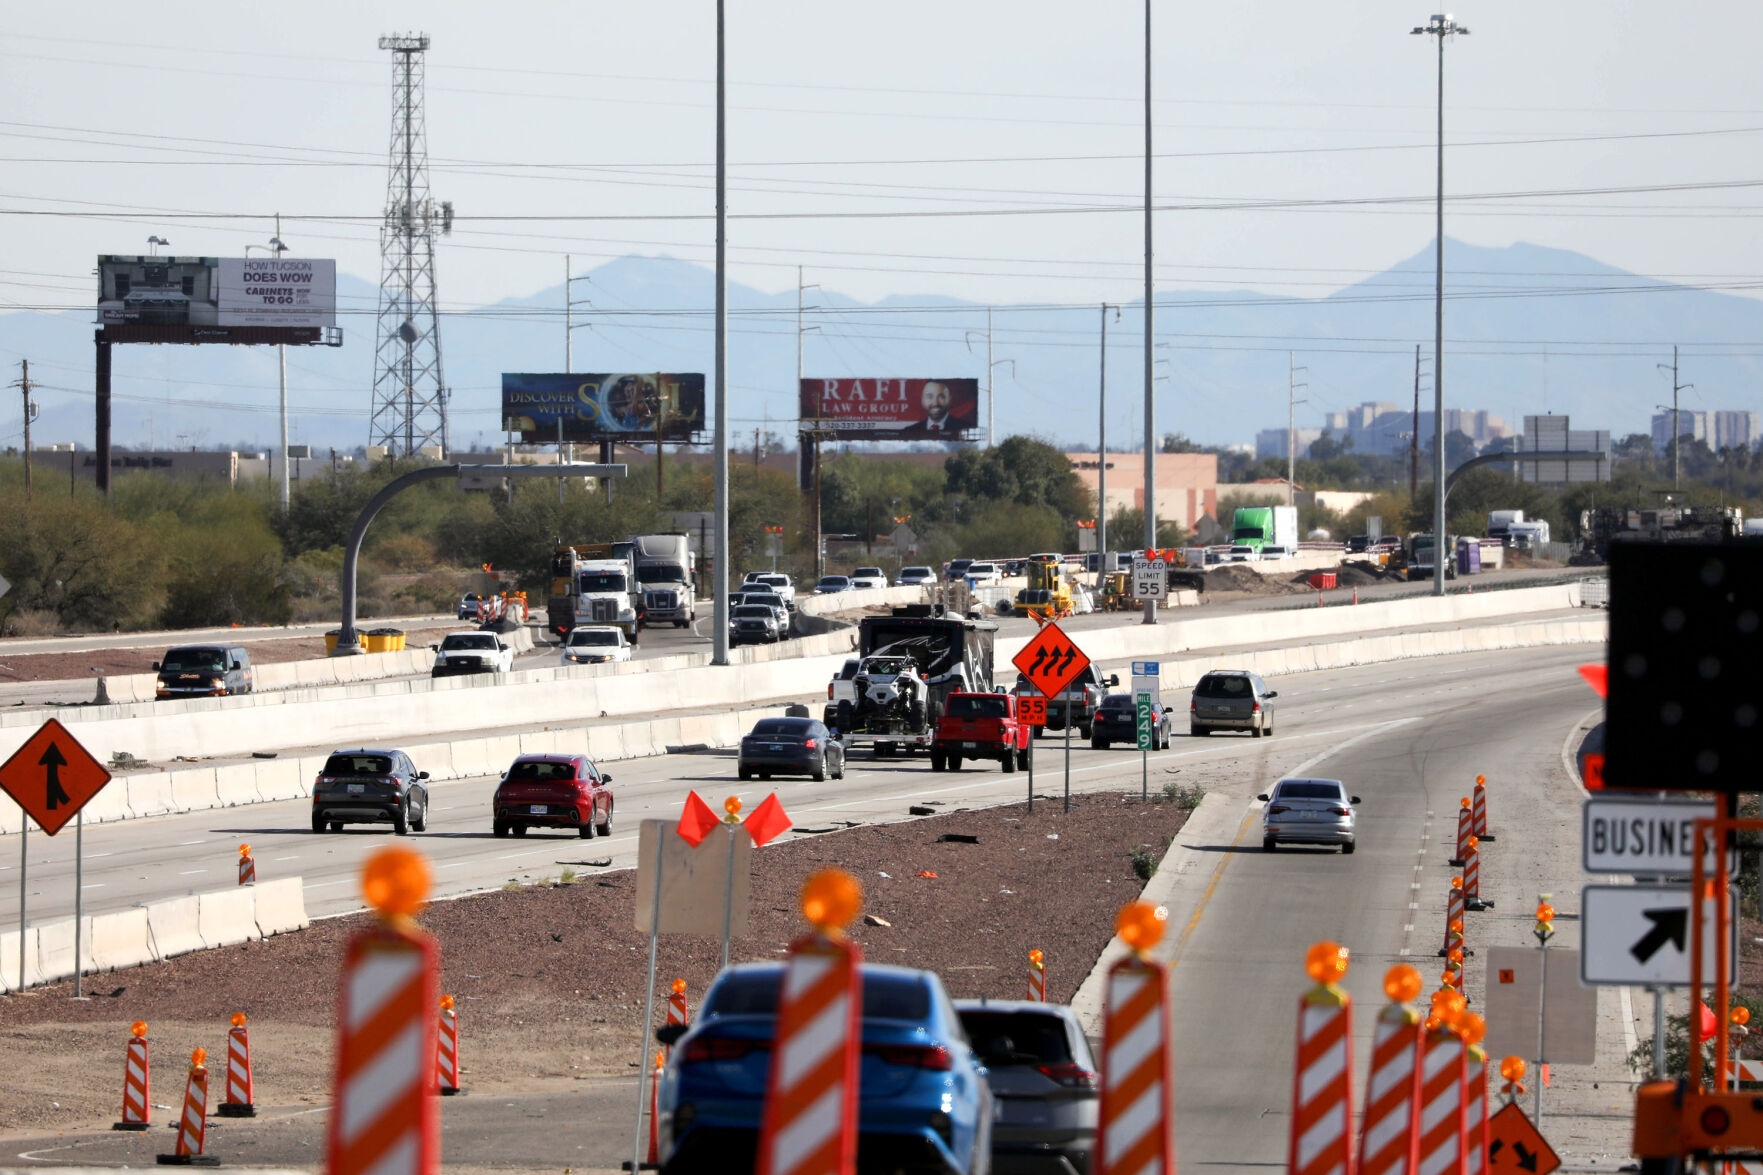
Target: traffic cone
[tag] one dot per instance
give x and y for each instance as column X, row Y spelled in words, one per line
column 247, row 867
column 447, row 1051
column 1355, row 593
column 136, row 1109
column 1464, row 825
column 1037, row 976
column 1442, row 1081
column 238, row 1102
column 193, row 1124
column 808, row 1124
column 1479, row 809
column 1322, row 1081
column 1454, row 918
column 1136, row 1115
column 1390, row 1144
column 654, row 1159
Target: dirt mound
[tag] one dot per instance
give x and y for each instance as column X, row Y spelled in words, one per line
column 1236, row 577
column 1346, row 575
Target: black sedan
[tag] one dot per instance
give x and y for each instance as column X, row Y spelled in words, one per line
column 1117, row 721
column 791, row 746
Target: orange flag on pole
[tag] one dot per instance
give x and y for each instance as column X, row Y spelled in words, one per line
column 697, row 820
column 768, row 821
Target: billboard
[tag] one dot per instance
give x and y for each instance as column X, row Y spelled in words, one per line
column 891, row 409
column 217, row 292
column 603, row 407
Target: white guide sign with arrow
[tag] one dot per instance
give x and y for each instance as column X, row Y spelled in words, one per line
column 1640, row 934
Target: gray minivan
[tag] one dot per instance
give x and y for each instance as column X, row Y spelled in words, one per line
column 203, row 671
column 1231, row 699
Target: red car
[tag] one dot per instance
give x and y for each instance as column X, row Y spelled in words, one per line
column 553, row 791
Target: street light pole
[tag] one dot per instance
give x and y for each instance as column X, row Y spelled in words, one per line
column 1440, row 26
column 719, row 568
column 1102, row 568
column 1150, row 359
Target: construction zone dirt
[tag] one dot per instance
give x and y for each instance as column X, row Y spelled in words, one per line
column 549, row 979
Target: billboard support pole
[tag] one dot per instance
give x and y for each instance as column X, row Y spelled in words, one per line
column 101, row 433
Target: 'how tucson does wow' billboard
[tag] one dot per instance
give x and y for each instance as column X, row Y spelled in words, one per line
column 891, row 409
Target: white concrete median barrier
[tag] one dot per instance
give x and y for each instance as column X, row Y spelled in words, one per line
column 226, row 916
column 174, row 927
column 120, row 940
column 279, row 906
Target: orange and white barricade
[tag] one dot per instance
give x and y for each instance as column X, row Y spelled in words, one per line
column 238, row 1102
column 193, row 1122
column 247, row 867
column 1441, row 1111
column 447, row 1050
column 1740, row 1070
column 1390, row 1144
column 809, row 1122
column 1475, row 1109
column 383, row 1118
column 1479, row 809
column 1322, row 1081
column 1454, row 918
column 1135, row 1131
column 677, row 1011
column 137, row 1112
column 1472, row 899
column 1465, row 829
column 1037, row 977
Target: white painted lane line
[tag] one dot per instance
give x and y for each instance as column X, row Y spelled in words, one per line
column 187, row 843
column 324, row 884
column 95, row 856
column 188, row 872
column 284, row 858
column 94, row 885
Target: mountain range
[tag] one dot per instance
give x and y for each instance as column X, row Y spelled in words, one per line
column 1528, row 329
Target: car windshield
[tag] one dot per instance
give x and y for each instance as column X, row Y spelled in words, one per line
column 602, row 581
column 593, row 636
column 869, row 572
column 358, row 765
column 540, row 771
column 768, row 599
column 885, row 996
column 967, row 706
column 1002, row 1038
column 980, row 568
column 468, row 640
column 834, row 581
column 783, row 727
column 914, row 572
column 194, row 661
column 1309, row 789
column 1122, row 702
column 759, row 611
column 1224, row 685
column 661, row 573
column 776, row 581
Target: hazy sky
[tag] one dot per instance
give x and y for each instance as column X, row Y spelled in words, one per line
column 588, row 128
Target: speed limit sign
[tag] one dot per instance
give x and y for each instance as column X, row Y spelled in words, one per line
column 1148, row 579
column 1031, row 710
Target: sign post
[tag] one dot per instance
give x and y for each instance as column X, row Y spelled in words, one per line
column 52, row 777
column 1031, row 711
column 1147, row 695
column 1051, row 661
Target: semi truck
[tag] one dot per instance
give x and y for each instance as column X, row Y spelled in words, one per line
column 1265, row 526
column 667, row 572
column 594, row 583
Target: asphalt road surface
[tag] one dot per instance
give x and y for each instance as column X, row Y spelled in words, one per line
column 1408, row 737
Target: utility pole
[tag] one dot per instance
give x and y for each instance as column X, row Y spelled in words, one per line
column 1292, row 402
column 1414, row 434
column 719, row 567
column 991, row 397
column 1102, row 567
column 30, row 410
column 1676, row 419
column 1150, row 359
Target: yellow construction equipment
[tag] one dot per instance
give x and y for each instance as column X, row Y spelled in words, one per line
column 1046, row 593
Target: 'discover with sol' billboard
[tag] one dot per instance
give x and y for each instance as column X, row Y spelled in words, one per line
column 891, row 409
column 598, row 407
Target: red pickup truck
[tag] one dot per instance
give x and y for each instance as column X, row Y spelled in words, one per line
column 979, row 726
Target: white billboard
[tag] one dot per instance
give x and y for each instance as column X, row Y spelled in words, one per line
column 277, row 291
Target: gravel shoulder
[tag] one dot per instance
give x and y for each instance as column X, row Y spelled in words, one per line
column 549, row 978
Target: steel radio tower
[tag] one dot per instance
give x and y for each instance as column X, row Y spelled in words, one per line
column 409, row 396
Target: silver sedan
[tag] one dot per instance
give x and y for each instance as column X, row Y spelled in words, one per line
column 1308, row 811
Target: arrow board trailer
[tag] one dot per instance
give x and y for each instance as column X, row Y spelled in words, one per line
column 1646, row 837
column 1639, row 935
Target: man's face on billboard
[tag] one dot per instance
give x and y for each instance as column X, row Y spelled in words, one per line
column 936, row 400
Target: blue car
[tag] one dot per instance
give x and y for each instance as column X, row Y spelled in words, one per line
column 925, row 1103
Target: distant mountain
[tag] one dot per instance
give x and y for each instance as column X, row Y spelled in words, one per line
column 1528, row 329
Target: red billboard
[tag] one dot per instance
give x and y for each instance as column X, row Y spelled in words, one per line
column 891, row 409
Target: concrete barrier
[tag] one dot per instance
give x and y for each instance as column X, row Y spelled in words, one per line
column 9, row 960
column 236, row 784
column 193, row 788
column 279, row 906
column 55, row 944
column 226, row 916
column 150, row 794
column 120, row 940
column 174, row 927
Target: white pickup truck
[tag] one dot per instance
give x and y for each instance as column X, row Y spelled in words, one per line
column 473, row 651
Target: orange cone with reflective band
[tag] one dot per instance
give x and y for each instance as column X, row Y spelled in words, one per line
column 1454, row 918
column 654, row 1159
column 247, row 867
column 1390, row 1144
column 1037, row 976
column 447, row 1050
column 1479, row 809
column 238, row 1102
column 1442, row 1122
column 1465, row 829
column 383, row 1119
column 1135, row 1132
column 1322, row 1082
column 136, row 1109
column 192, row 1125
column 1475, row 1095
column 809, row 1122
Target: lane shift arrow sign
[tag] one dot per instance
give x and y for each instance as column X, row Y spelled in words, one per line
column 54, row 794
column 1669, row 925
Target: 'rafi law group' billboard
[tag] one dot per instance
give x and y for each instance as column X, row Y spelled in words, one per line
column 891, row 409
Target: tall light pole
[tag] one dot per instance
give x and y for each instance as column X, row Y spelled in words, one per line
column 1102, row 568
column 1442, row 27
column 1150, row 358
column 719, row 567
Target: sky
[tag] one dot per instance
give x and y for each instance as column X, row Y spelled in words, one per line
column 976, row 149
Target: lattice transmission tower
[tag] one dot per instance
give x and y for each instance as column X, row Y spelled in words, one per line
column 409, row 395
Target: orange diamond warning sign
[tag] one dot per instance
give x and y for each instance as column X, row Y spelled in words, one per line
column 52, row 776
column 1050, row 661
column 1514, row 1144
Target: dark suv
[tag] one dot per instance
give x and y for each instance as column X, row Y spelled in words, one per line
column 203, row 671
column 370, row 787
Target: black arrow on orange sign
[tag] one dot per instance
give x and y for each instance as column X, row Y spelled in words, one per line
column 54, row 761
column 1070, row 654
column 1040, row 655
